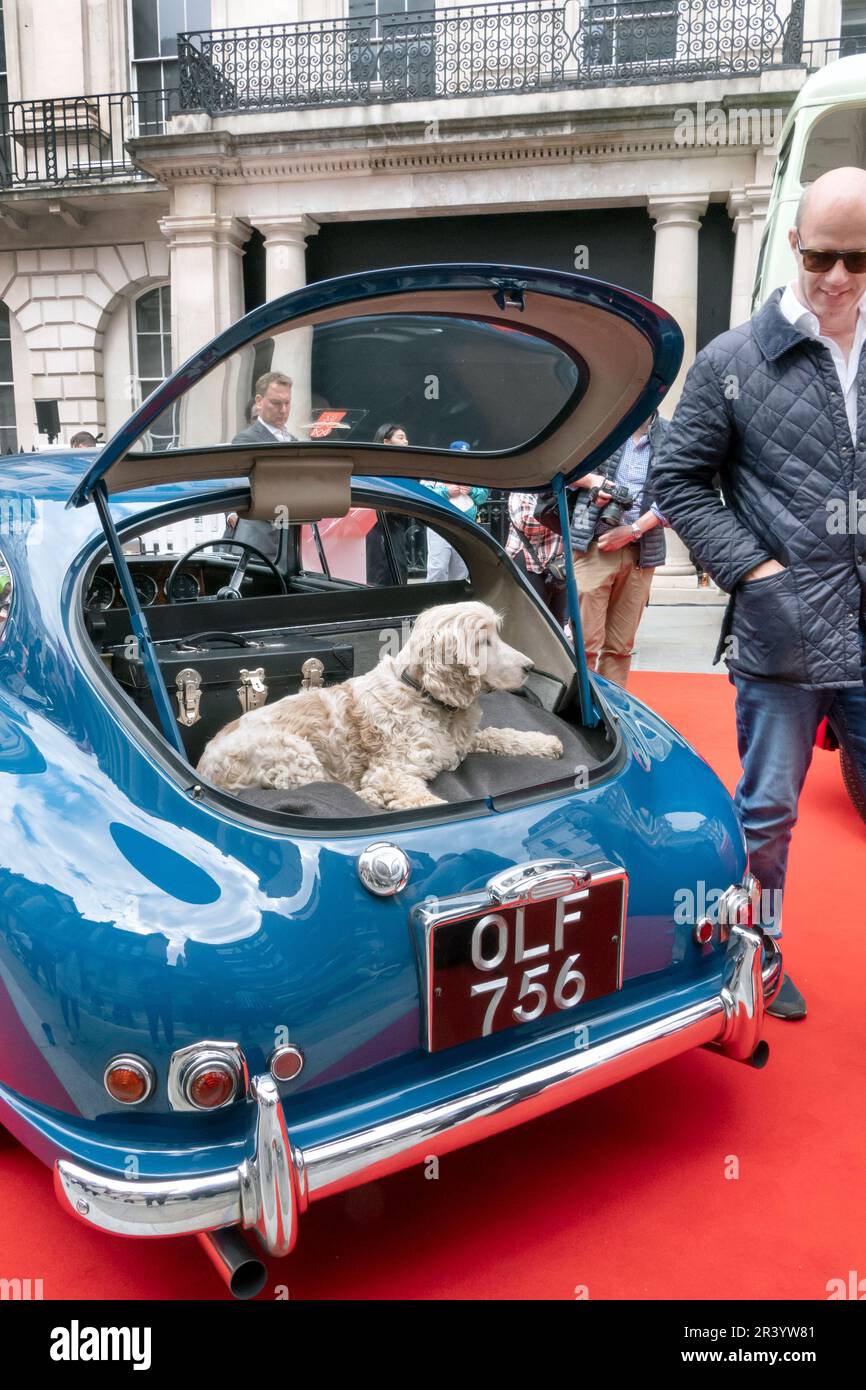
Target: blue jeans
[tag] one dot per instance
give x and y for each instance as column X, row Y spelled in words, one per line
column 776, row 727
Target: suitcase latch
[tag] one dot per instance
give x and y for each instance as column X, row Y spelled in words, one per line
column 252, row 692
column 312, row 672
column 188, row 684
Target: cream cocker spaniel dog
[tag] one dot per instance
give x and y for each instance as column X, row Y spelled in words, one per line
column 388, row 733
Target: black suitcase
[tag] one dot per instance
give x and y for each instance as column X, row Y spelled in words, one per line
column 213, row 677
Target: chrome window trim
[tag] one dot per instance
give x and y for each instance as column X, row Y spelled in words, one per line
column 9, row 600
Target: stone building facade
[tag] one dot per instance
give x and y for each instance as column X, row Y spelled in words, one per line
column 152, row 191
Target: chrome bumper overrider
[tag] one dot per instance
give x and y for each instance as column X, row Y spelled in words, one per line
column 269, row 1189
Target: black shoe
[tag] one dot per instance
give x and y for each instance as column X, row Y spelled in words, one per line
column 789, row 1002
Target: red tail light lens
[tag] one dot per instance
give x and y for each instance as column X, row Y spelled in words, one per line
column 286, row 1063
column 206, row 1075
column 210, row 1085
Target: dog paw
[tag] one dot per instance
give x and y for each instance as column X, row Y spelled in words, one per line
column 548, row 746
column 373, row 799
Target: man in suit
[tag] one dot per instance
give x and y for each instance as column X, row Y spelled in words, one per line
column 273, row 406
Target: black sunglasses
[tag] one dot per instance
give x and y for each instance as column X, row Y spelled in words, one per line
column 821, row 261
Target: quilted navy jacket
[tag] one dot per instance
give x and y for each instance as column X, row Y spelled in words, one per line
column 762, row 406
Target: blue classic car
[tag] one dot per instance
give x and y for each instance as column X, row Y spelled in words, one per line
column 218, row 1006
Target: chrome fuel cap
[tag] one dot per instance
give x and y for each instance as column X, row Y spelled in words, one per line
column 383, row 869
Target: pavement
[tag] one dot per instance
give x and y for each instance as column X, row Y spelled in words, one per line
column 679, row 637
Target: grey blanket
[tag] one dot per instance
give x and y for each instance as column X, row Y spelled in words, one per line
column 480, row 775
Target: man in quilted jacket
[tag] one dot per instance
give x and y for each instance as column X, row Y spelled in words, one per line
column 777, row 407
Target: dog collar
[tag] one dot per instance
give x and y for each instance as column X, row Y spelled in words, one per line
column 416, row 685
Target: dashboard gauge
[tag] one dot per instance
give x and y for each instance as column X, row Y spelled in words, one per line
column 100, row 595
column 146, row 587
column 185, row 588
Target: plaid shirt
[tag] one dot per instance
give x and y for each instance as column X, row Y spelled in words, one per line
column 632, row 472
column 546, row 544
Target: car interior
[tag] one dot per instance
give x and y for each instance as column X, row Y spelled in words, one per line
column 234, row 626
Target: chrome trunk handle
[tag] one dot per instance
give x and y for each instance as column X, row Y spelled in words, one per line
column 538, row 879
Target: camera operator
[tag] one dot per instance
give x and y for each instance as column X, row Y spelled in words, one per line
column 617, row 540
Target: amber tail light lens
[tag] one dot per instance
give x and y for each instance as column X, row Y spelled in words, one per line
column 129, row 1080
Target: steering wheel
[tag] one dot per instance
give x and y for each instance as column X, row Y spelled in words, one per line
column 233, row 588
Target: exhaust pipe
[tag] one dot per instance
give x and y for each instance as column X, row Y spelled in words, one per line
column 747, row 989
column 760, row 1057
column 237, row 1264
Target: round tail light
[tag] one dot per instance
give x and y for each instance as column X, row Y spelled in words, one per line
column 207, row 1075
column 210, row 1084
column 129, row 1080
column 704, row 932
column 286, row 1063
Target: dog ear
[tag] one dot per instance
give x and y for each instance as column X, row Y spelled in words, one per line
column 476, row 652
column 439, row 658
column 437, row 673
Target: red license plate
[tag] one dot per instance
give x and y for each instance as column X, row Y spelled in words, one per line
column 498, row 967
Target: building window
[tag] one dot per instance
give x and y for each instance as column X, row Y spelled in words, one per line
column 617, row 36
column 153, row 357
column 154, row 27
column 403, row 59
column 8, row 426
column 5, row 161
column 853, row 27
column 4, row 90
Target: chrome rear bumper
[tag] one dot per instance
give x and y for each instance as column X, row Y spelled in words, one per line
column 270, row 1188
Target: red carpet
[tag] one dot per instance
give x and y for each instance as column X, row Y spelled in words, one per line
column 626, row 1192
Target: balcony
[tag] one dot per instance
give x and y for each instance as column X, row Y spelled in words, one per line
column 512, row 46
column 67, row 141
column 478, row 50
column 816, row 53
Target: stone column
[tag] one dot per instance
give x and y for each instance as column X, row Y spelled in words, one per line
column 740, row 209
column 675, row 288
column 675, row 271
column 206, row 296
column 759, row 197
column 285, row 271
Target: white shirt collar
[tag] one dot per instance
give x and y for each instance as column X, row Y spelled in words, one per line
column 279, row 432
column 801, row 317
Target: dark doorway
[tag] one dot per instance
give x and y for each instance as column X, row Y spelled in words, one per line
column 254, row 270
column 715, row 274
column 613, row 244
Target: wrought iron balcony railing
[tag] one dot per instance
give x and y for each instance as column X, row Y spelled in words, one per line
column 461, row 51
column 477, row 49
column 73, row 140
column 816, row 53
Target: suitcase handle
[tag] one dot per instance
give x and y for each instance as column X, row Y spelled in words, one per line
column 183, row 642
